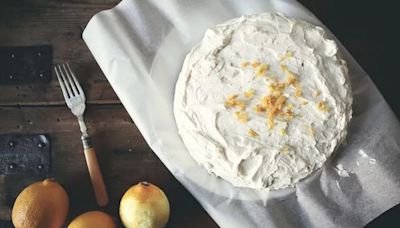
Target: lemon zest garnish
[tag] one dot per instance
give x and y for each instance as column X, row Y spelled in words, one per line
column 261, row 69
column 284, row 68
column 242, row 116
column 245, row 64
column 259, row 108
column 232, row 97
column 289, row 114
column 287, row 55
column 298, row 90
column 255, row 64
column 276, row 88
column 233, row 102
column 291, row 78
column 311, row 130
column 249, row 93
column 252, row 133
column 241, row 105
column 322, row 106
column 285, row 149
column 274, row 107
column 230, row 103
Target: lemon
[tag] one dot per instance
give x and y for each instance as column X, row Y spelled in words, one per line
column 93, row 219
column 144, row 205
column 41, row 205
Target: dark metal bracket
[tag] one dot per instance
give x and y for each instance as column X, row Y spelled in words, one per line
column 23, row 65
column 25, row 154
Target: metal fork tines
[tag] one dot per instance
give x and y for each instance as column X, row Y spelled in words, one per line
column 75, row 99
column 73, row 93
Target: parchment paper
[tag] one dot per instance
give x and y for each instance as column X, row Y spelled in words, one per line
column 140, row 46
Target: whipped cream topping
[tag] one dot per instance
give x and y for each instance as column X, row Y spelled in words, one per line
column 263, row 100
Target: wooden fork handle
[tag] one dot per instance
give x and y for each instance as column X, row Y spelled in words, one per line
column 95, row 173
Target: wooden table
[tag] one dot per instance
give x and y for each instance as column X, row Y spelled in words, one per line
column 124, row 156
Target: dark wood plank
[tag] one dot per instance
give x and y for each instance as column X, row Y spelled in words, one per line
column 97, row 89
column 366, row 30
column 124, row 157
column 59, row 23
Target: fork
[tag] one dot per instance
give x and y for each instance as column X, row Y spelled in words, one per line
column 75, row 99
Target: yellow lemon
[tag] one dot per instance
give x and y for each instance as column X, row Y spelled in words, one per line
column 144, row 205
column 93, row 219
column 41, row 205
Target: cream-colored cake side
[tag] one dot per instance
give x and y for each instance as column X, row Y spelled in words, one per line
column 263, row 100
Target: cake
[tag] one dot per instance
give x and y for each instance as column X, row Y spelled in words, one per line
column 263, row 100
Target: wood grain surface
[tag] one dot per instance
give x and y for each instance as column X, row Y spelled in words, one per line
column 124, row 156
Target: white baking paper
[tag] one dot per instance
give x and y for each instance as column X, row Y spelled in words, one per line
column 140, row 45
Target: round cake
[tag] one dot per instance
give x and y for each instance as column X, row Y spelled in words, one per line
column 263, row 100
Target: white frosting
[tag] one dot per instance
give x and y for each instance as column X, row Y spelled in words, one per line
column 212, row 71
